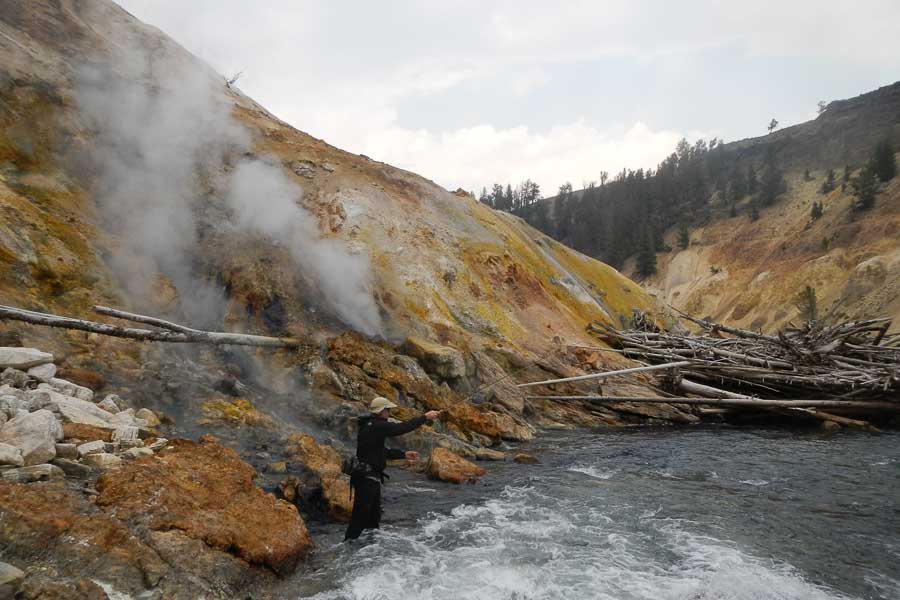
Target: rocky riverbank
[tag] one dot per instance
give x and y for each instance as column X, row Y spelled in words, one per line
column 94, row 502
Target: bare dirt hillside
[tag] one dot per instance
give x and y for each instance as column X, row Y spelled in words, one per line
column 749, row 273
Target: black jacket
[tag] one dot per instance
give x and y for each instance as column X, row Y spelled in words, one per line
column 370, row 440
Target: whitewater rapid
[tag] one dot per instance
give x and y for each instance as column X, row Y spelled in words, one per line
column 663, row 517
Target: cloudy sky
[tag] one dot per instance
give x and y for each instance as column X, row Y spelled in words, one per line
column 471, row 92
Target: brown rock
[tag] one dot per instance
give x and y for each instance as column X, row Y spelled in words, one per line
column 288, row 487
column 46, row 519
column 447, row 466
column 492, row 424
column 79, row 431
column 206, row 491
column 42, row 587
column 526, row 459
column 324, row 463
column 488, row 454
column 278, row 467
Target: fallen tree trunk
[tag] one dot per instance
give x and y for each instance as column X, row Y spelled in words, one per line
column 751, row 402
column 173, row 333
column 673, row 365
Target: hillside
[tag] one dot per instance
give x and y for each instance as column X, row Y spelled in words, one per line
column 740, row 270
column 132, row 176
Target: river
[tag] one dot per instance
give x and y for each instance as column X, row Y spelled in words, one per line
column 637, row 514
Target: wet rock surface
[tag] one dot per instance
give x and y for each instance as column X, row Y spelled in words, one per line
column 447, row 466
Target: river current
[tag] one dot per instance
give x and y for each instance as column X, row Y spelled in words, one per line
column 693, row 514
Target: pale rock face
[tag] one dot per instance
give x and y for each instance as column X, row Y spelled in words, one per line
column 74, row 410
column 125, row 433
column 112, row 403
column 14, row 377
column 66, row 451
column 41, row 398
column 71, row 389
column 159, row 444
column 43, row 373
column 34, row 434
column 10, row 404
column 33, row 473
column 88, row 448
column 102, row 460
column 138, row 452
column 149, row 416
column 10, row 580
column 10, row 455
column 23, row 358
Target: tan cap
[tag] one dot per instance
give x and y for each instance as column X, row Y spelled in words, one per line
column 379, row 404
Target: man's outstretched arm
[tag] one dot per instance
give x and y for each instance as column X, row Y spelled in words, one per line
column 388, row 429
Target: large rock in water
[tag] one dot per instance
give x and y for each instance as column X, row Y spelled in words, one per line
column 23, row 358
column 324, row 463
column 206, row 491
column 447, row 466
column 34, row 434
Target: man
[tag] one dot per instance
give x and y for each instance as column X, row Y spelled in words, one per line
column 372, row 457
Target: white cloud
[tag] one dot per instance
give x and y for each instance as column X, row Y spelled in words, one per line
column 355, row 74
column 476, row 156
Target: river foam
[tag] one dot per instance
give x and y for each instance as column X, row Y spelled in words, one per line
column 528, row 545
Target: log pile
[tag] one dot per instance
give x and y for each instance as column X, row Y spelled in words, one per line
column 854, row 361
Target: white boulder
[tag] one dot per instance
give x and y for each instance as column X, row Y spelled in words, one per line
column 149, row 416
column 34, row 434
column 138, row 452
column 112, row 403
column 94, row 447
column 23, row 358
column 72, row 389
column 74, row 410
column 34, row 473
column 102, row 460
column 43, row 373
column 10, row 455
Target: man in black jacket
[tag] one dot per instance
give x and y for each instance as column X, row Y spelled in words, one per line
column 372, row 457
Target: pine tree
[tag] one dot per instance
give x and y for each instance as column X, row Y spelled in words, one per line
column 646, row 257
column 816, row 212
column 865, row 189
column 828, row 185
column 497, row 197
column 884, row 165
column 807, row 304
column 806, row 175
column 846, row 173
column 484, row 198
column 684, row 236
column 754, row 211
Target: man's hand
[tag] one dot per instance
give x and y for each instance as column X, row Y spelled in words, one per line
column 412, row 455
column 431, row 415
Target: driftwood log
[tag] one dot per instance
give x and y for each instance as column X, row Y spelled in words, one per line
column 166, row 332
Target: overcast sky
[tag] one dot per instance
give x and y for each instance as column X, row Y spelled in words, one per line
column 471, row 92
